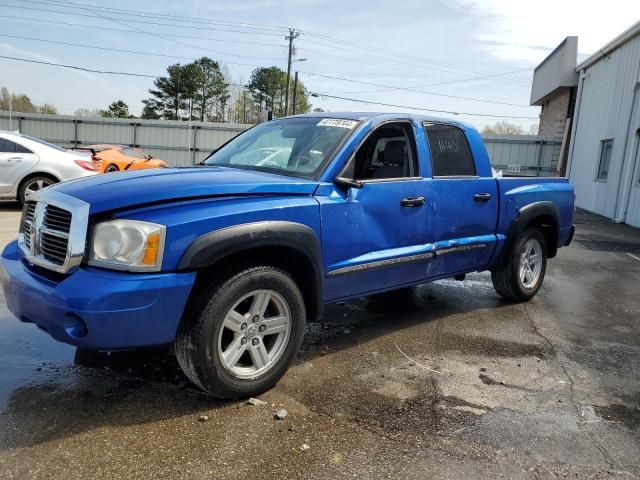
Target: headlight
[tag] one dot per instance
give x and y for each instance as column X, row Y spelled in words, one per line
column 128, row 245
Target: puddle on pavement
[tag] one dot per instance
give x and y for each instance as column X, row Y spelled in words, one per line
column 28, row 355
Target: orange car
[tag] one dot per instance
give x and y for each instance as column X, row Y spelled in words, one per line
column 120, row 157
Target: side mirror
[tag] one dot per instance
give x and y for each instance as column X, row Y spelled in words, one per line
column 348, row 182
column 149, row 157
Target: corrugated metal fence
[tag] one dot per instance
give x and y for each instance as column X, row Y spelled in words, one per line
column 181, row 144
column 527, row 155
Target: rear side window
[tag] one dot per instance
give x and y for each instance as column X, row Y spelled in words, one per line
column 130, row 152
column 450, row 152
column 7, row 146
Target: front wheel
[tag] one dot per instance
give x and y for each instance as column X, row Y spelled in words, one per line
column 239, row 336
column 521, row 277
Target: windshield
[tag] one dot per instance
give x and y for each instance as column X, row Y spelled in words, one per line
column 298, row 147
column 42, row 142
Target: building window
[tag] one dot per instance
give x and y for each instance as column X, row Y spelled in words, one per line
column 606, row 147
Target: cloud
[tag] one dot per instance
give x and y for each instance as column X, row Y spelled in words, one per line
column 517, row 32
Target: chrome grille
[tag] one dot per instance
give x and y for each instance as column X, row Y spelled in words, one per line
column 53, row 247
column 57, row 219
column 27, row 221
column 53, row 230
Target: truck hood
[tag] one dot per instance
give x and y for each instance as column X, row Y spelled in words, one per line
column 127, row 189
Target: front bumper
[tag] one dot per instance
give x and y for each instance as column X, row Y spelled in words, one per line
column 94, row 308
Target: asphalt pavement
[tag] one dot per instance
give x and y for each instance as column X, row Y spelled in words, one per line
column 445, row 380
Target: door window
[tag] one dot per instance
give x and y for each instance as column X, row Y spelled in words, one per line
column 131, row 152
column 450, row 152
column 7, row 146
column 388, row 153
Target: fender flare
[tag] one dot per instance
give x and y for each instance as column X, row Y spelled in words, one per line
column 212, row 247
column 525, row 215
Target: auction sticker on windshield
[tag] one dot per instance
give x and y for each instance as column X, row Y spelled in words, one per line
column 337, row 122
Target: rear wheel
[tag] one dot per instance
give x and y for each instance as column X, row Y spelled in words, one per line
column 240, row 334
column 111, row 168
column 32, row 185
column 522, row 276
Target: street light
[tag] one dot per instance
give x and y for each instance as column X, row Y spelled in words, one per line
column 295, row 85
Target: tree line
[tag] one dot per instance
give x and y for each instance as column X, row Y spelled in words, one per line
column 202, row 90
column 20, row 102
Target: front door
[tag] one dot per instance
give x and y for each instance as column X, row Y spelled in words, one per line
column 15, row 161
column 377, row 237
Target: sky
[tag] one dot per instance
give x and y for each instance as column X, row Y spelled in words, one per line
column 482, row 50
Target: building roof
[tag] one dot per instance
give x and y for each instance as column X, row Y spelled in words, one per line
column 617, row 42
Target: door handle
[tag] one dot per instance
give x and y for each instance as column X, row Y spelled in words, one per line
column 412, row 202
column 14, row 159
column 482, row 197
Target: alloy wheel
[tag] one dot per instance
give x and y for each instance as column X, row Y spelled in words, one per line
column 254, row 334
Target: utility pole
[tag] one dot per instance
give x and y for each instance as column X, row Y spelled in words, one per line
column 244, row 106
column 295, row 93
column 292, row 35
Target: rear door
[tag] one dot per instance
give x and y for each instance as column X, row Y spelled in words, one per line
column 464, row 203
column 15, row 161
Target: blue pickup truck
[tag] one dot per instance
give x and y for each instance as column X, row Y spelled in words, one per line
column 228, row 259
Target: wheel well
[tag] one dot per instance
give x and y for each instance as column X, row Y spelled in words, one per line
column 33, row 175
column 549, row 229
column 292, row 261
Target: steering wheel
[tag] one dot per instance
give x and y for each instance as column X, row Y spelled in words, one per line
column 267, row 163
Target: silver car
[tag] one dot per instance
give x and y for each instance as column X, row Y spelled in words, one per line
column 28, row 164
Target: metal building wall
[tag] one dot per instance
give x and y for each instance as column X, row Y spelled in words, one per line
column 605, row 110
column 179, row 143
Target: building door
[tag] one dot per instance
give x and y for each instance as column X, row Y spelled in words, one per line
column 632, row 206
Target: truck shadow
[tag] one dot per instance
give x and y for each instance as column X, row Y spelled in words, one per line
column 144, row 386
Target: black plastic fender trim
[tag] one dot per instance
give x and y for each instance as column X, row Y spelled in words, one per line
column 526, row 215
column 219, row 244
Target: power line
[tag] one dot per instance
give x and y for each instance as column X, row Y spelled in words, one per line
column 120, row 50
column 179, row 18
column 92, row 70
column 450, row 112
column 114, row 29
column 138, row 29
column 398, row 59
column 183, row 19
column 393, row 56
column 443, row 83
column 139, row 13
column 137, row 21
column 74, row 67
column 389, row 52
column 408, row 89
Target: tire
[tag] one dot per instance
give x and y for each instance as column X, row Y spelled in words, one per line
column 509, row 281
column 111, row 168
column 221, row 343
column 33, row 184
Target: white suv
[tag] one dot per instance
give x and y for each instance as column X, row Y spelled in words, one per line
column 28, row 164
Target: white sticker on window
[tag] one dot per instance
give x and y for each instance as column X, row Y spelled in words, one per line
column 337, row 122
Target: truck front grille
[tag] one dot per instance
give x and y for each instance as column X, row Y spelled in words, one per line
column 45, row 230
column 57, row 219
column 27, row 221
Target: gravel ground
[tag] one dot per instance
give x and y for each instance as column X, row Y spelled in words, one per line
column 441, row 381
